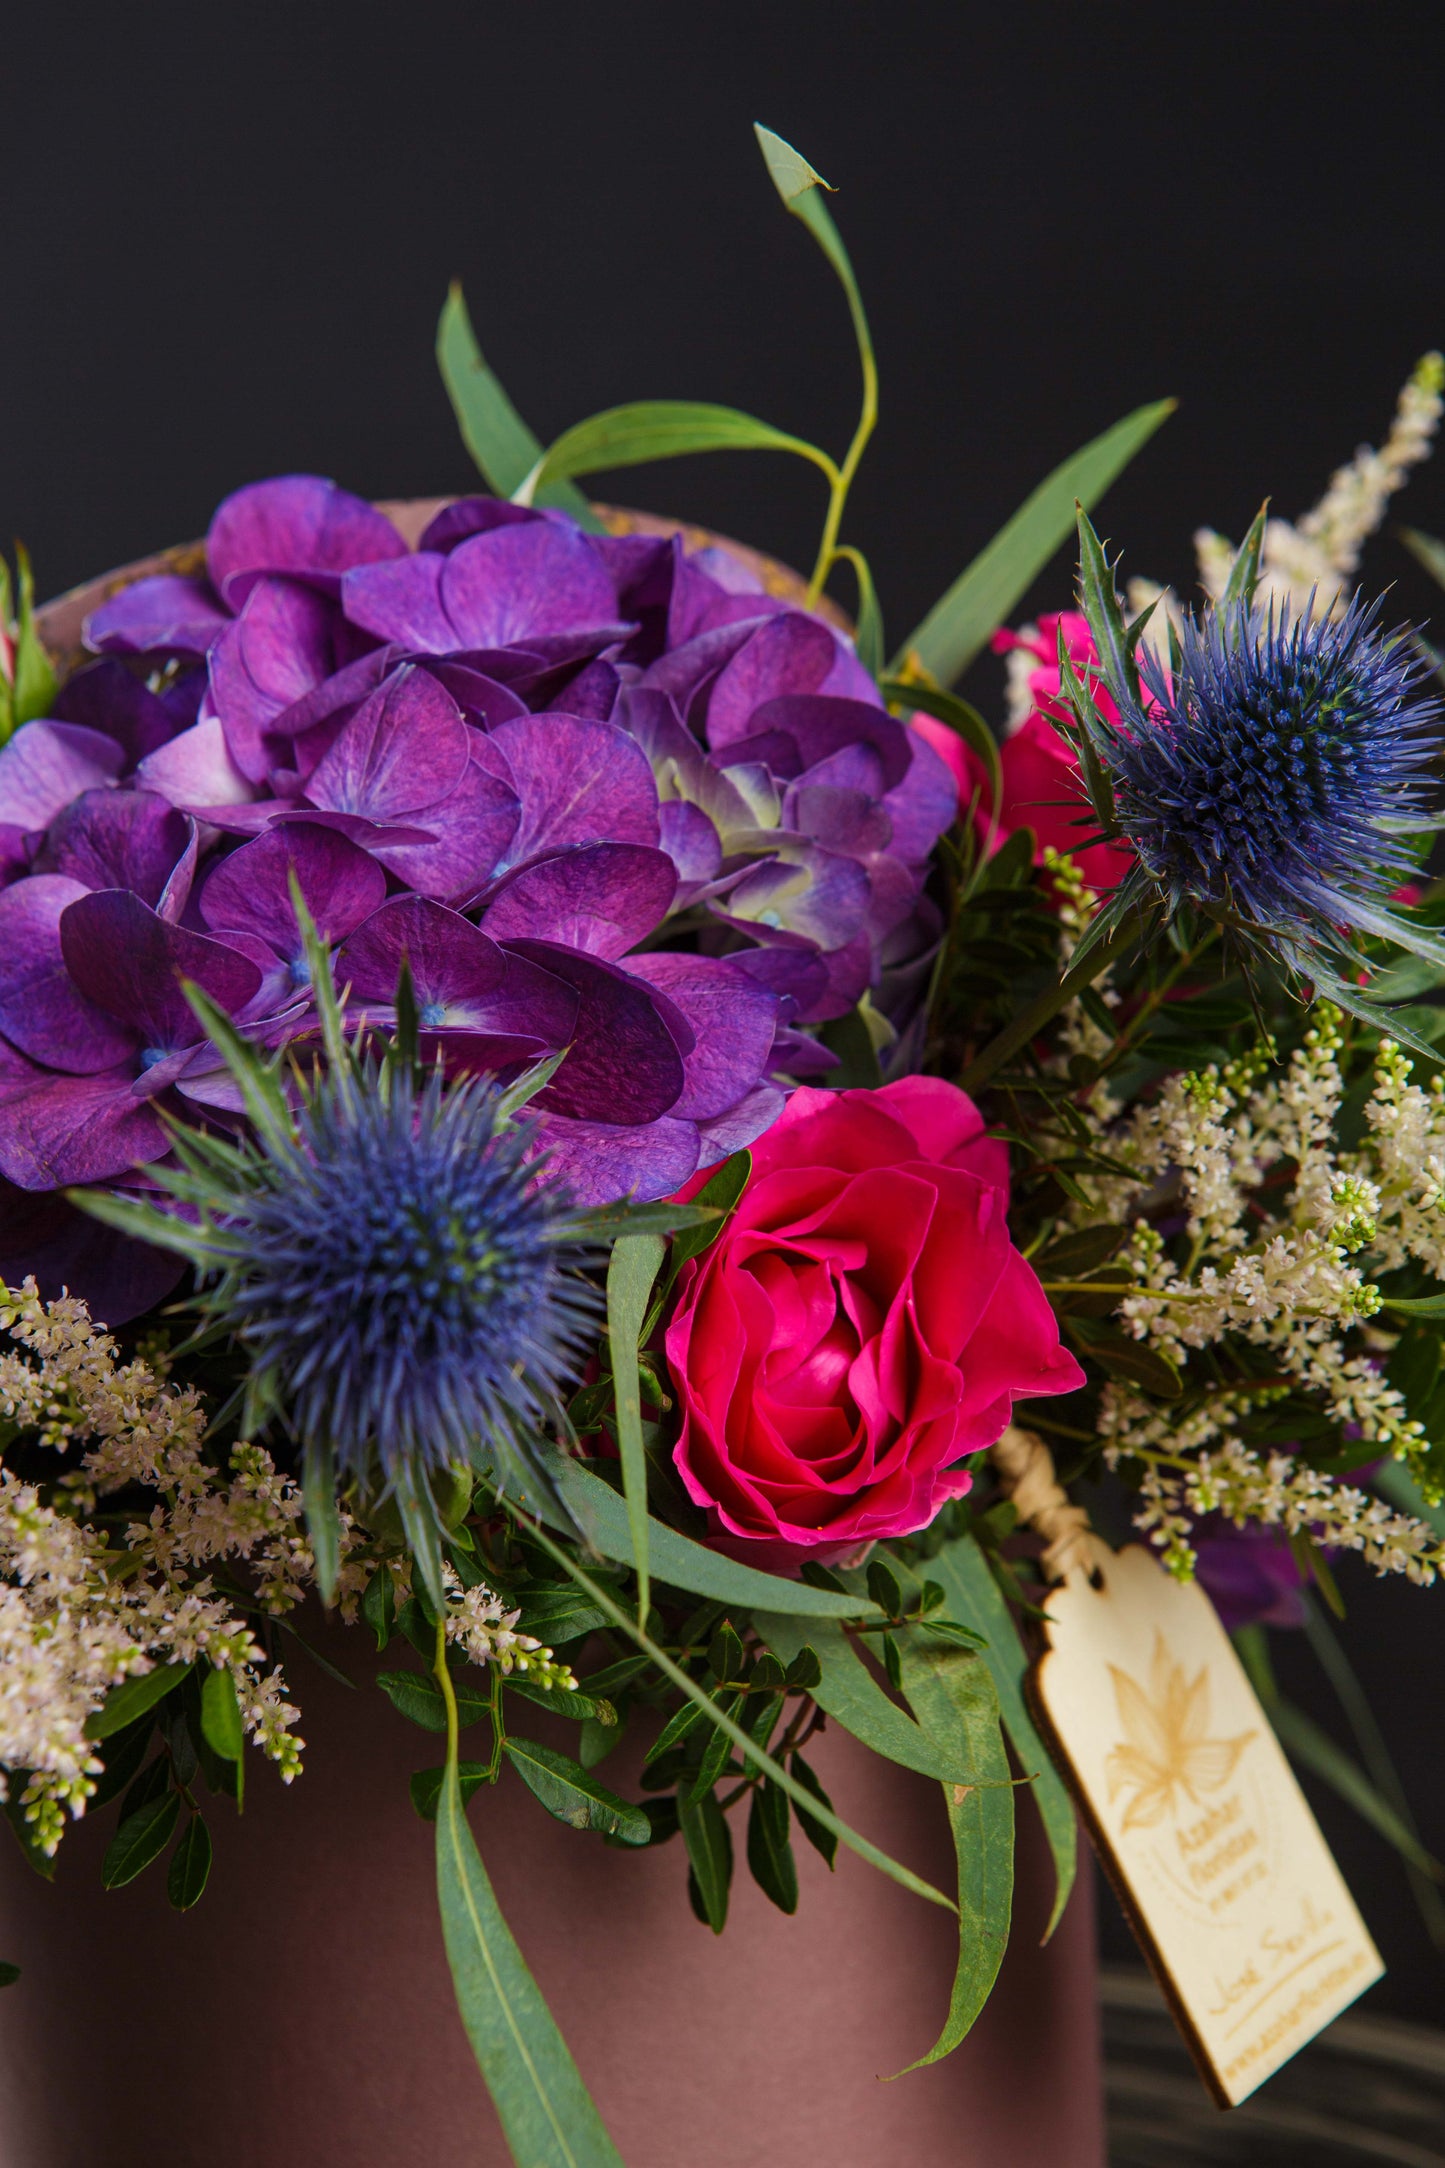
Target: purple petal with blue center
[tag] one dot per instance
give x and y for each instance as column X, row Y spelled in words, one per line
column 299, row 525
column 68, row 1252
column 196, row 771
column 42, row 1011
column 250, row 892
column 517, row 584
column 119, row 839
column 131, row 962
column 106, row 697
column 578, row 782
column 598, row 1163
column 166, row 615
column 404, row 749
column 479, row 1007
column 600, row 897
column 624, row 1064
column 55, row 1130
column 45, row 765
column 279, row 650
column 732, row 1019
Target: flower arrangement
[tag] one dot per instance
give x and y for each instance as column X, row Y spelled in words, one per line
column 555, row 1100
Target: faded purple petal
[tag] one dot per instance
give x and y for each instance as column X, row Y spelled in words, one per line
column 119, row 839
column 740, row 1125
column 45, row 765
column 180, row 617
column 404, row 749
column 453, row 966
column 820, row 725
column 798, row 976
column 843, row 820
column 299, row 525
column 131, row 962
column 195, row 770
column 518, row 583
column 601, row 897
column 804, row 890
column 732, row 1020
column 579, row 782
column 923, row 804
column 600, row 1163
column 42, row 1012
column 250, row 892
column 691, row 842
column 624, row 1064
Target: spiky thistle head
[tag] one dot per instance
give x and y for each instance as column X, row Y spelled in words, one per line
column 1268, row 774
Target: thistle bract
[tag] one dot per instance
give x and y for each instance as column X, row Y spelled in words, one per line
column 395, row 1270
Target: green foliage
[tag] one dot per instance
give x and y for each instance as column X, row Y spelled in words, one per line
column 652, row 429
column 500, row 442
column 190, row 1865
column 709, row 1844
column 573, row 1794
column 634, row 1265
column 27, row 689
column 142, row 1836
column 124, row 1703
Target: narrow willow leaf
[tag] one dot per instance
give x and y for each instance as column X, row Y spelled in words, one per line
column 132, row 1698
column 1315, row 1750
column 1430, row 553
column 1416, row 1306
column 959, row 625
column 141, row 1837
column 495, row 434
column 822, row 1840
column 801, row 188
column 852, row 1696
column 570, row 1792
column 709, row 1844
column 973, row 1594
column 190, row 1866
column 634, row 1265
column 651, row 429
column 609, row 1220
column 323, row 1517
column 740, row 1740
column 602, row 1517
column 545, row 2109
column 952, row 1695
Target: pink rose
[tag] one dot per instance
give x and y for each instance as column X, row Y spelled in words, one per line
column 861, row 1324
column 1041, row 786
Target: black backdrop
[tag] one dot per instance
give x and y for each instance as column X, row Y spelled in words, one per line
column 227, row 230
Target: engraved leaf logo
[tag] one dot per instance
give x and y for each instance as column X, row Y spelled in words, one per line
column 1166, row 1751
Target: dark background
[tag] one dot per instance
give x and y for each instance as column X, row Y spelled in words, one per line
column 228, row 229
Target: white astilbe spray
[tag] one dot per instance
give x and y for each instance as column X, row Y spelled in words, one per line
column 478, row 1622
column 1280, row 1226
column 1320, row 553
column 82, row 1606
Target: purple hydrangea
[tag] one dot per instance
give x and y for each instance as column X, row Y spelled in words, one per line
column 606, row 799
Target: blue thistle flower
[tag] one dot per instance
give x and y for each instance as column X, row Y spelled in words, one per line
column 1270, row 776
column 394, row 1270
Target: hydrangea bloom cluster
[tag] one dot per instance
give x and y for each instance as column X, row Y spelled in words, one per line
column 605, row 799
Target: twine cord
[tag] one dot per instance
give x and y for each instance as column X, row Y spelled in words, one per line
column 1026, row 1472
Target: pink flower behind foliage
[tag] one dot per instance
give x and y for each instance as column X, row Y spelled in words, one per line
column 1041, row 786
column 863, row 1323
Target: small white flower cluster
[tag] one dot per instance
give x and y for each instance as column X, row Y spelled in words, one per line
column 1276, row 1217
column 80, row 1606
column 1319, row 553
column 479, row 1622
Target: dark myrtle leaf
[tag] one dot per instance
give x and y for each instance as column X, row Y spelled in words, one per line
column 595, row 1741
column 124, row 1703
column 821, row 1839
column 804, row 1672
column 420, row 1630
column 581, row 1708
column 883, row 1588
column 560, row 1614
column 820, row 1577
column 152, row 1782
column 667, row 1770
column 721, row 1192
column 426, row 1786
column 717, row 1751
column 709, row 1844
column 1072, row 1256
column 768, row 1674
column 1138, row 1365
column 567, row 1790
column 889, row 1652
column 674, row 1731
column 850, row 1692
column 190, row 1865
column 417, row 1696
column 9, row 1974
column 770, row 1855
column 124, row 1756
column 378, row 1605
column 141, row 1837
column 761, row 1717
column 1414, row 1366
column 930, row 1596
column 725, row 1653
column 663, row 1817
column 181, row 1741
column 948, row 1629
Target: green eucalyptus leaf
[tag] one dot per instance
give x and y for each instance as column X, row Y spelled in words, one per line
column 801, row 188
column 652, row 429
column 959, row 625
column 952, row 1695
column 141, row 1837
column 709, row 1844
column 573, row 1794
column 868, row 629
column 851, row 1695
column 546, row 2111
column 426, row 1786
column 971, row 1592
column 635, row 1263
column 1416, row 1305
column 190, row 1865
column 124, row 1703
column 495, row 434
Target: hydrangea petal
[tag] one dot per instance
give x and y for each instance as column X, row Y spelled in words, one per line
column 165, row 614
column 45, row 765
column 299, row 524
column 401, row 601
column 108, row 698
column 68, row 1252
column 623, row 1064
column 787, row 654
column 196, row 770
column 42, row 1011
column 405, row 748
column 250, row 892
column 599, row 1163
column 732, row 1019
column 468, row 834
column 131, row 963
column 516, row 583
column 578, row 782
column 58, row 1130
column 119, row 839
column 600, row 897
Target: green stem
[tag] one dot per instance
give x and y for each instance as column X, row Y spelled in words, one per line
column 444, row 1681
column 843, row 480
column 1032, row 1020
